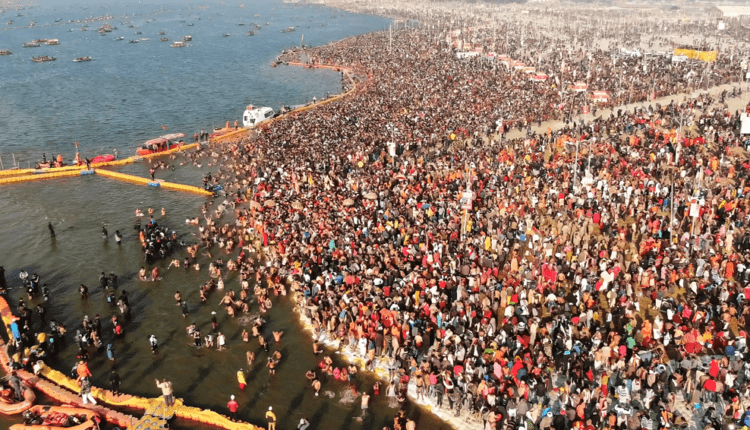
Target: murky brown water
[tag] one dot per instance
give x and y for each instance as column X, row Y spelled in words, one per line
column 78, row 207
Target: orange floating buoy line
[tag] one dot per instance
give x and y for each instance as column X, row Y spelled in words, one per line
column 65, row 390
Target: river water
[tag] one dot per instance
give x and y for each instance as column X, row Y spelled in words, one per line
column 120, row 99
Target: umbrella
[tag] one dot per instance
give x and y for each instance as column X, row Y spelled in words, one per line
column 371, row 196
column 348, row 202
column 297, row 205
column 269, row 203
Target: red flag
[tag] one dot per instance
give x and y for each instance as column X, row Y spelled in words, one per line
column 164, row 127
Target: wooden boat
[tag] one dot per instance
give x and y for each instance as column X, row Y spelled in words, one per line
column 52, row 42
column 43, row 59
column 81, row 59
column 5, row 52
column 44, row 417
column 32, row 45
column 178, row 44
column 162, row 143
column 163, row 39
column 11, row 407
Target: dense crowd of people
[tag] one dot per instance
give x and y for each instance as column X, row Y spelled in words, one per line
column 567, row 279
column 590, row 276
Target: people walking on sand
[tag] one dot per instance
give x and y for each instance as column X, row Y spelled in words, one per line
column 166, row 391
column 154, row 344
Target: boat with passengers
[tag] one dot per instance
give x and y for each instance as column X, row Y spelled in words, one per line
column 162, row 143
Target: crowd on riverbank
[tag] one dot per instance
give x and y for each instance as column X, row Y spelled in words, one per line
column 593, row 262
column 573, row 278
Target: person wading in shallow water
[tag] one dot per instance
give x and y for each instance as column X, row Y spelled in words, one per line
column 166, row 391
column 271, row 417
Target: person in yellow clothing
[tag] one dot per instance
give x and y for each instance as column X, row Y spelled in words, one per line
column 271, row 417
column 241, row 379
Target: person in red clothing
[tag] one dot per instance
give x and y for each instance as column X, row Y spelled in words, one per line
column 233, row 407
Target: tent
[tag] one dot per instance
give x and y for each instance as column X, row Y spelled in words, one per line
column 600, row 96
column 579, row 86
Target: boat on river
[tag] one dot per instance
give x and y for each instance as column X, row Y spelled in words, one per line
column 162, row 143
column 52, row 42
column 133, row 41
column 256, row 115
column 163, row 39
column 119, row 38
column 81, row 59
column 32, row 45
column 187, row 38
column 10, row 406
column 43, row 59
column 178, row 44
column 5, row 52
column 45, row 417
column 288, row 30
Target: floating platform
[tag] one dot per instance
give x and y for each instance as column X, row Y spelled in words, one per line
column 65, row 390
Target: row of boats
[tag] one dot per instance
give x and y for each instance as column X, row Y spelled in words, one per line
column 38, row 42
column 45, row 58
column 152, row 146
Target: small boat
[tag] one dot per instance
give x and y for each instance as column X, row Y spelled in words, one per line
column 178, row 44
column 119, row 38
column 241, row 24
column 161, row 33
column 52, row 42
column 133, row 41
column 162, row 143
column 81, row 59
column 145, row 39
column 40, row 41
column 191, row 24
column 84, row 29
column 10, row 22
column 250, row 33
column 288, row 30
column 138, row 32
column 99, row 159
column 46, row 164
column 43, row 58
column 31, row 45
column 58, row 20
column 43, row 417
column 5, row 52
column 187, row 38
column 254, row 116
column 225, row 35
column 10, row 406
column 163, row 39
